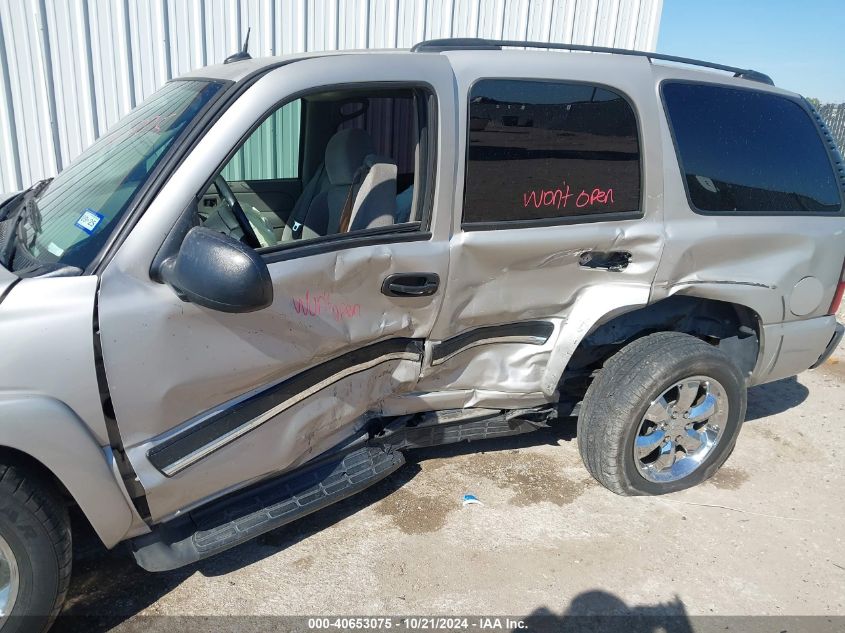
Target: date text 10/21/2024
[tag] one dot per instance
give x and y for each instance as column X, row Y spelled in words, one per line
column 418, row 623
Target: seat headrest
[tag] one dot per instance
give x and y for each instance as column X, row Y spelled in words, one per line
column 345, row 152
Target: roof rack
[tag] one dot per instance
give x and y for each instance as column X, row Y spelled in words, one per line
column 480, row 44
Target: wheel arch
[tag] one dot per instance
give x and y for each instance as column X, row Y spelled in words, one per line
column 49, row 436
column 733, row 327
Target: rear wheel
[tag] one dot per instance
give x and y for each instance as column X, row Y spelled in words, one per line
column 35, row 549
column 662, row 415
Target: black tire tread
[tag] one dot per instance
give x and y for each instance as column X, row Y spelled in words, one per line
column 38, row 496
column 620, row 386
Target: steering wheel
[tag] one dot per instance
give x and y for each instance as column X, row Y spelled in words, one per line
column 225, row 191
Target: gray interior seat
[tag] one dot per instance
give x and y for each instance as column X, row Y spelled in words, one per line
column 318, row 183
column 404, row 204
column 345, row 155
column 375, row 200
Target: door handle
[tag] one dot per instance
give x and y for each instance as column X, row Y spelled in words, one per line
column 410, row 284
column 614, row 261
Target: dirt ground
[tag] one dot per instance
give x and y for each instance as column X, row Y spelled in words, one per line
column 764, row 536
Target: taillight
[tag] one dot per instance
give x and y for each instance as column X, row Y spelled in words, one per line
column 840, row 292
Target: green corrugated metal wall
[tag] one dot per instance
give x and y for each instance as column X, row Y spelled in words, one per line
column 272, row 151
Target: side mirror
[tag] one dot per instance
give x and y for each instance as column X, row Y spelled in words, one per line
column 218, row 272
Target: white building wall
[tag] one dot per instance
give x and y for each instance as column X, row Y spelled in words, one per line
column 70, row 68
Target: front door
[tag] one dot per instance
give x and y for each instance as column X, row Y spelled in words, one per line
column 208, row 401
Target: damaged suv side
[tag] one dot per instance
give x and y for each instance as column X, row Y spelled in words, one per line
column 275, row 277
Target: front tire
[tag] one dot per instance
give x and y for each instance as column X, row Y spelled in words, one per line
column 662, row 415
column 35, row 549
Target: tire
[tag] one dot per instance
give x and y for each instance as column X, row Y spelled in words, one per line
column 35, row 529
column 615, row 428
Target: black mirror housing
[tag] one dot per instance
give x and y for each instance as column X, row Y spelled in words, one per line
column 218, row 272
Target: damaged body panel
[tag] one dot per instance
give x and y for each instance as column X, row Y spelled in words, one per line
column 784, row 268
column 509, row 272
column 50, row 409
column 275, row 277
column 228, row 399
column 507, row 307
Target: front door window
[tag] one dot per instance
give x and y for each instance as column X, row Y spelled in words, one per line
column 354, row 154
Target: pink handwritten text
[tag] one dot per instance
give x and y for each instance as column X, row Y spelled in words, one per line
column 560, row 197
column 318, row 304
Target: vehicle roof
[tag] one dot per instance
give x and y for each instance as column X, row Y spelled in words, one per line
column 238, row 71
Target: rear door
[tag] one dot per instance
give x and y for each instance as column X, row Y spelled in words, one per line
column 558, row 218
column 207, row 401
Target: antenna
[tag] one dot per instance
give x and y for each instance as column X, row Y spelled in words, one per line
column 242, row 54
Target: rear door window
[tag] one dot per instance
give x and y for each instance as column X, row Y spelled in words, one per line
column 749, row 151
column 546, row 151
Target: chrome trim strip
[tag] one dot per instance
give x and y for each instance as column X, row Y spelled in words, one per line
column 200, row 453
column 520, row 338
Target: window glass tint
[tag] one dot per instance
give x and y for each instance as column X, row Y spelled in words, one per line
column 539, row 150
column 749, row 151
column 82, row 205
column 367, row 140
column 272, row 151
column 391, row 122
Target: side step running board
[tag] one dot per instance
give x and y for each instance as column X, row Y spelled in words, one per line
column 450, row 427
column 245, row 514
column 240, row 517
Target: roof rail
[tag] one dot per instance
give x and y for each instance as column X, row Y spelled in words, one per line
column 479, row 44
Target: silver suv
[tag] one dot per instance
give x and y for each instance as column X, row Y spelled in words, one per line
column 275, row 277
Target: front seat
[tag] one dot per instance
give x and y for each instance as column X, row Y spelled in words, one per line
column 346, row 152
column 374, row 204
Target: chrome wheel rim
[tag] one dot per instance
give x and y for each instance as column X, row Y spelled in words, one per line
column 9, row 580
column 680, row 429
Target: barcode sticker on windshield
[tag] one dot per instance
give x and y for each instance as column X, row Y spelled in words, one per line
column 89, row 220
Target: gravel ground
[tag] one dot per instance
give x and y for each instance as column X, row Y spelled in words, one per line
column 764, row 536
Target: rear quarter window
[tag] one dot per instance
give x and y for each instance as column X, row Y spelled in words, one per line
column 547, row 151
column 748, row 151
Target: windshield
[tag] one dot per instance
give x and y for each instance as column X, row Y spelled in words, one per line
column 81, row 206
